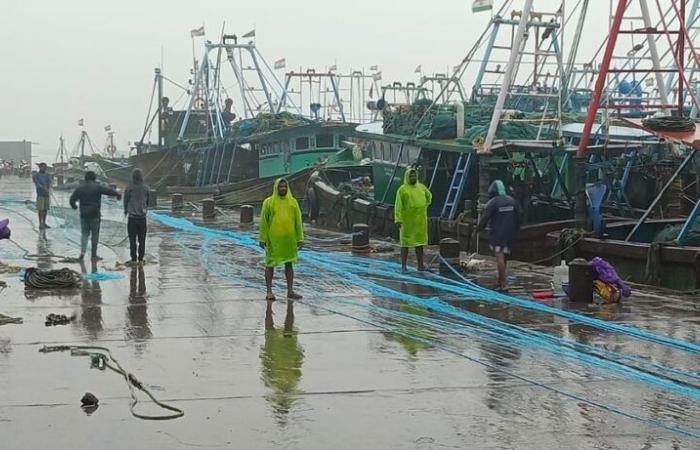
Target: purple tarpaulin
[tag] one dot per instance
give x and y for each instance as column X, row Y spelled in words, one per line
column 605, row 272
column 4, row 229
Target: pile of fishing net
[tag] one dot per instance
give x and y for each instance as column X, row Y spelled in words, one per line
column 265, row 122
column 440, row 123
column 670, row 232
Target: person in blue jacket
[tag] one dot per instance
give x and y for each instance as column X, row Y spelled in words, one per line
column 502, row 215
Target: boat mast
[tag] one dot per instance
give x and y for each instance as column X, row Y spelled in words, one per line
column 159, row 82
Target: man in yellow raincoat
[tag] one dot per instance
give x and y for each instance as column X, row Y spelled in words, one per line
column 281, row 235
column 411, row 216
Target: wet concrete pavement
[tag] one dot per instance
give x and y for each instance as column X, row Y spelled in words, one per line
column 344, row 368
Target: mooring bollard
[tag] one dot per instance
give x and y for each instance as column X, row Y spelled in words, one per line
column 176, row 201
column 360, row 238
column 449, row 253
column 208, row 208
column 152, row 199
column 247, row 214
column 580, row 281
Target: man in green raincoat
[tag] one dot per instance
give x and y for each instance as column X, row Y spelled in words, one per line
column 411, row 216
column 281, row 235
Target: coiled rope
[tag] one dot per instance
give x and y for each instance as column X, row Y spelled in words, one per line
column 51, row 279
column 669, row 123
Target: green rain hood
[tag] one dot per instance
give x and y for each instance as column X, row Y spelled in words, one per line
column 280, row 227
column 411, row 210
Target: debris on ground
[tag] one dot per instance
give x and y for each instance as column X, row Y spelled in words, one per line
column 58, row 319
column 7, row 319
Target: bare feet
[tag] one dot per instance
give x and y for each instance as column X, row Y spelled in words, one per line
column 294, row 296
column 270, row 297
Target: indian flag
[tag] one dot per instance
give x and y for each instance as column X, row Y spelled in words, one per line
column 482, row 5
column 281, row 63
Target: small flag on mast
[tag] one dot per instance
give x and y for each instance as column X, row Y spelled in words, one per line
column 482, row 5
column 108, row 128
column 418, row 69
column 250, row 34
column 281, row 63
column 81, row 122
column 375, row 67
column 377, row 76
column 197, row 31
column 333, row 67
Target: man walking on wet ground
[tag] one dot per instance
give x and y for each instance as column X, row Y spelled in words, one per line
column 136, row 207
column 42, row 182
column 411, row 216
column 281, row 235
column 502, row 215
column 89, row 195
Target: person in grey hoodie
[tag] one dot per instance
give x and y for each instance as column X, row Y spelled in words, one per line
column 136, row 206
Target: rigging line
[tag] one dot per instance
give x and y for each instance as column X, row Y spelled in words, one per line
column 175, row 83
column 150, row 108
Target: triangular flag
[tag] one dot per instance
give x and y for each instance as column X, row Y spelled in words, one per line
column 249, row 34
column 197, row 31
column 418, row 69
column 482, row 5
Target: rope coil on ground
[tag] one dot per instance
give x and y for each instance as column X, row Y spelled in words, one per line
column 51, row 279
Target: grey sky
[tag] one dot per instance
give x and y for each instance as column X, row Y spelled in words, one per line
column 71, row 59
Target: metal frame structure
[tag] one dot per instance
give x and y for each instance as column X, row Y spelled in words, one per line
column 522, row 31
column 263, row 93
column 318, row 85
column 683, row 43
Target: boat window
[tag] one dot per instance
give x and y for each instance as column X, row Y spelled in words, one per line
column 324, row 140
column 302, row 143
column 263, row 149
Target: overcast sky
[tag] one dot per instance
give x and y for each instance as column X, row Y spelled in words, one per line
column 63, row 60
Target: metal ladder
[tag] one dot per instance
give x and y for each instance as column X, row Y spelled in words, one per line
column 454, row 195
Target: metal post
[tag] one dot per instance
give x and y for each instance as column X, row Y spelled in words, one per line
column 193, row 95
column 508, row 76
column 159, row 81
column 263, row 82
column 337, row 99
column 681, row 57
column 689, row 223
column 496, row 22
column 230, row 166
column 600, row 81
column 573, row 51
column 656, row 201
column 651, row 41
